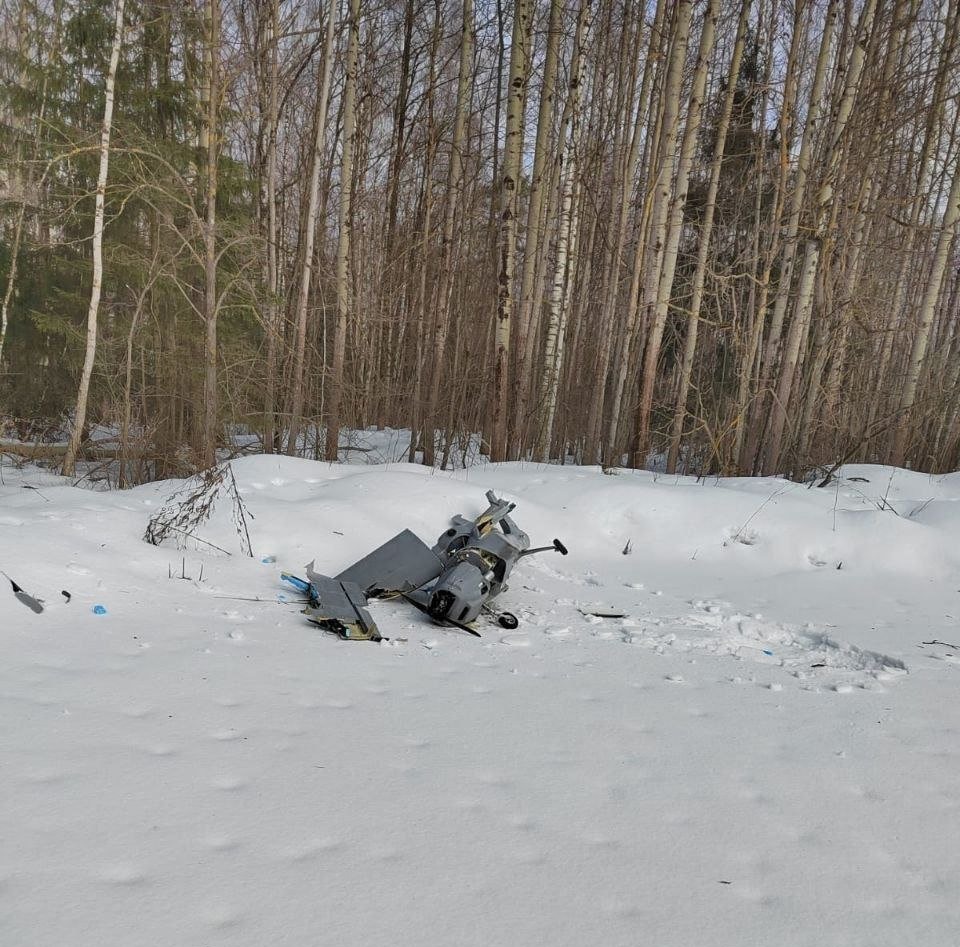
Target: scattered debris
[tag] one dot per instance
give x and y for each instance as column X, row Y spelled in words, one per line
column 99, row 610
column 66, row 595
column 34, row 604
column 601, row 613
column 453, row 582
column 943, row 644
column 628, row 548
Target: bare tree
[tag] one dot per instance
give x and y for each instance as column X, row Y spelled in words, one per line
column 344, row 225
column 310, row 232
column 509, row 198
column 80, row 414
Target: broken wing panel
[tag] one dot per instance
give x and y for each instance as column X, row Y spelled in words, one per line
column 401, row 564
column 340, row 607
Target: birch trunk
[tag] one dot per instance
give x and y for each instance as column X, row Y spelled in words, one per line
column 345, row 225
column 271, row 263
column 791, row 239
column 532, row 249
column 800, row 325
column 747, row 435
column 452, row 212
column 210, row 306
column 918, row 205
column 422, row 302
column 80, row 415
column 309, row 235
column 673, row 224
column 925, row 314
column 509, row 203
column 567, row 241
column 645, row 114
column 703, row 251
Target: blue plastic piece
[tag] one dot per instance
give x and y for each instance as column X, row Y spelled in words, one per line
column 768, row 652
column 266, row 560
column 301, row 585
column 99, row 610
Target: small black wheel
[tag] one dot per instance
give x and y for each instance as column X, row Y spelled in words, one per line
column 508, row 620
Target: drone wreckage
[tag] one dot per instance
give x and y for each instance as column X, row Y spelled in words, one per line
column 453, row 582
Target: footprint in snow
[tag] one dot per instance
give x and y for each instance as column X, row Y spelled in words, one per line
column 122, row 874
column 226, row 736
column 220, row 843
column 221, row 917
column 228, row 783
column 515, row 641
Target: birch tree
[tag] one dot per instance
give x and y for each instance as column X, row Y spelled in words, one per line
column 453, row 211
column 804, row 158
column 567, row 238
column 670, row 222
column 80, row 413
column 706, row 232
column 509, row 208
column 344, row 276
column 210, row 259
column 310, row 232
column 534, row 229
column 925, row 315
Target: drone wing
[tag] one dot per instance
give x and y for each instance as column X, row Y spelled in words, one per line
column 338, row 604
column 401, row 564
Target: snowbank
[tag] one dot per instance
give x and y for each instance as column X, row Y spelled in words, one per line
column 762, row 749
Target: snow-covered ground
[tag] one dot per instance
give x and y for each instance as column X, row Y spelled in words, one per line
column 763, row 751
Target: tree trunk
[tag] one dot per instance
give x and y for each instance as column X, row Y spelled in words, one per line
column 534, row 236
column 703, row 251
column 80, row 415
column 509, row 206
column 210, row 304
column 925, row 314
column 675, row 223
column 811, row 256
column 269, row 226
column 309, row 235
column 345, row 226
column 804, row 159
column 452, row 212
column 567, row 241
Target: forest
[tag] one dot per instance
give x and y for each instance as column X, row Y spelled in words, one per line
column 708, row 237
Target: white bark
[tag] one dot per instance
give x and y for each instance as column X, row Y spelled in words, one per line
column 80, row 415
column 452, row 212
column 800, row 325
column 925, row 316
column 310, row 233
column 706, row 231
column 526, row 325
column 671, row 223
column 567, row 242
column 810, row 130
column 509, row 201
column 345, row 225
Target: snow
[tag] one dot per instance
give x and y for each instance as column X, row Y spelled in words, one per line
column 762, row 751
